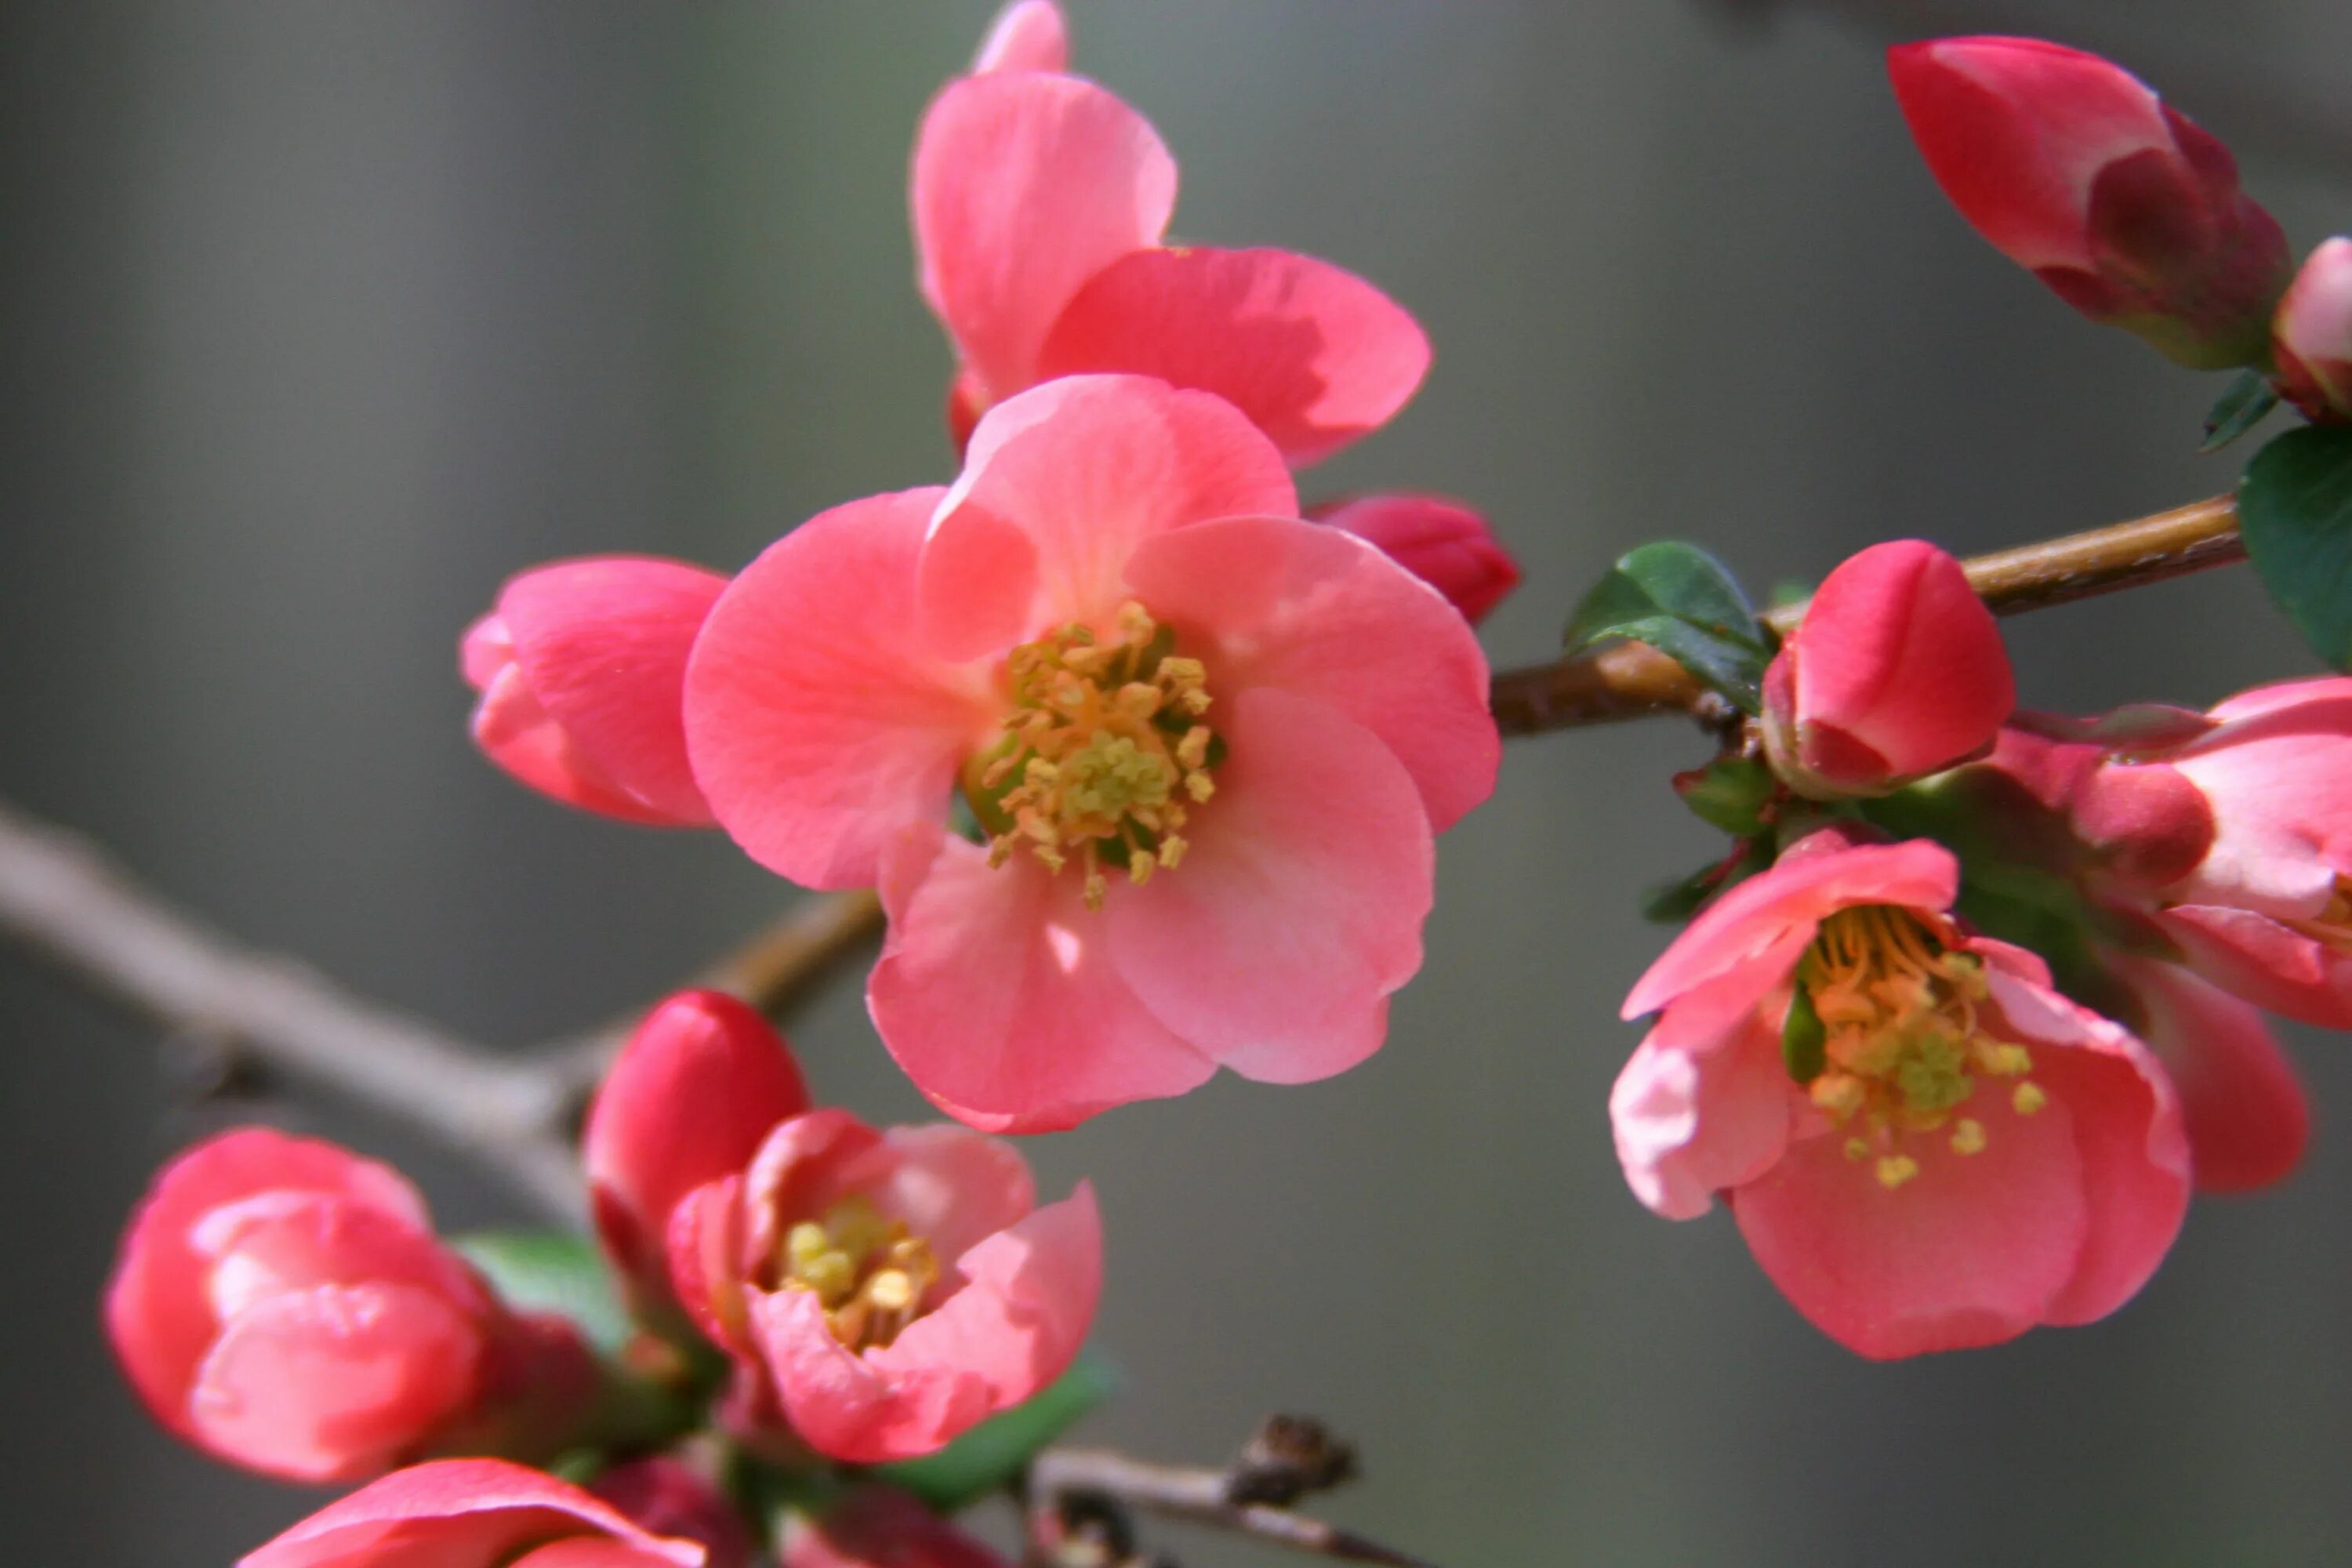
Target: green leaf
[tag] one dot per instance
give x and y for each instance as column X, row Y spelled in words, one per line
column 993, row 1453
column 2249, row 397
column 2294, row 508
column 552, row 1271
column 1730, row 792
column 1680, row 600
column 1804, row 1041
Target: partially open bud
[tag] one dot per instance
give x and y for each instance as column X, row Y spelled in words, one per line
column 1443, row 542
column 1896, row 671
column 2311, row 338
column 2074, row 169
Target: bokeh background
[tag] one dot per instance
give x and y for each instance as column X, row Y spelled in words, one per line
column 321, row 318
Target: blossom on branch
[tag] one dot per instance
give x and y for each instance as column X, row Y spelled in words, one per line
column 284, row 1304
column 473, row 1513
column 1206, row 744
column 1896, row 671
column 2076, row 171
column 883, row 1292
column 1040, row 201
column 2311, row 337
column 1926, row 1146
column 578, row 666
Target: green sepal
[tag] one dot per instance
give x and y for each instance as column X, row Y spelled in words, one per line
column 1680, row 600
column 1730, row 792
column 993, row 1453
column 2250, row 398
column 1671, row 902
column 2295, row 511
column 1804, row 1041
column 552, row 1271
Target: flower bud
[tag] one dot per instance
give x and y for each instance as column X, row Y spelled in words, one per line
column 1896, row 671
column 878, row 1528
column 1443, row 542
column 284, row 1305
column 2075, row 171
column 2311, row 338
column 671, row 1499
column 473, row 1513
column 689, row 1099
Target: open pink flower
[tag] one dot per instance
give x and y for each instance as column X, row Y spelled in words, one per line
column 1441, row 542
column 875, row 1527
column 1926, row 1146
column 285, row 1305
column 689, row 1099
column 578, row 666
column 1040, row 201
column 472, row 1513
column 2075, row 170
column 1895, row 672
column 1209, row 742
column 2311, row 337
column 885, row 1291
column 2267, row 910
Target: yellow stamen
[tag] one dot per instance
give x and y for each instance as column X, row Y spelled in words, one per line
column 1894, row 1170
column 865, row 1269
column 1102, row 752
column 1969, row 1137
column 2027, row 1099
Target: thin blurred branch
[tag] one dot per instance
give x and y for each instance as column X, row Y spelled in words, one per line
column 64, row 899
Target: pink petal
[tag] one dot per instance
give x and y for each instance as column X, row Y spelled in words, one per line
column 694, row 1092
column 588, row 1551
column 1273, row 948
column 1970, row 1252
column 1026, row 184
column 516, row 732
column 1315, row 613
column 157, row 1316
column 2127, row 1132
column 1691, row 1124
column 1756, row 920
column 996, row 994
column 1443, row 542
column 1059, row 486
column 2241, row 1100
column 335, row 1382
column 2271, row 964
column 1027, row 36
column 280, row 1241
column 455, row 1514
column 817, row 725
column 878, row 1528
column 1316, row 356
column 603, row 644
column 953, row 1186
column 2284, row 695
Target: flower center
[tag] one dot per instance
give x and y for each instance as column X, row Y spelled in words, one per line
column 1903, row 1044
column 866, row 1269
column 1103, row 756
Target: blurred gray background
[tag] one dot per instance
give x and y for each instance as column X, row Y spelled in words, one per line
column 321, row 318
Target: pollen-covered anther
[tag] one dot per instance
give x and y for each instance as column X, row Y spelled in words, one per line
column 1103, row 757
column 1904, row 1044
column 867, row 1272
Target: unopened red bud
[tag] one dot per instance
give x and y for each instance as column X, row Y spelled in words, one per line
column 2311, row 338
column 1443, row 542
column 2074, row 169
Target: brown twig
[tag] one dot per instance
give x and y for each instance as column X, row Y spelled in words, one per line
column 1200, row 1495
column 65, row 900
column 1630, row 681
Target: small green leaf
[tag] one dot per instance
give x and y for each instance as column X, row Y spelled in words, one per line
column 1671, row 902
column 2249, row 397
column 1680, row 600
column 993, row 1453
column 1804, row 1042
column 552, row 1271
column 2294, row 508
column 1730, row 792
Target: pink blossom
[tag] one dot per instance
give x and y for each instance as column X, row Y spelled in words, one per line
column 1040, row 201
column 1209, row 742
column 1441, row 542
column 875, row 1527
column 2075, row 170
column 671, row 1499
column 1895, row 672
column 284, row 1305
column 700, row 1052
column 2242, row 1103
column 885, row 1291
column 2311, row 337
column 579, row 667
column 472, row 1513
column 1969, row 1153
